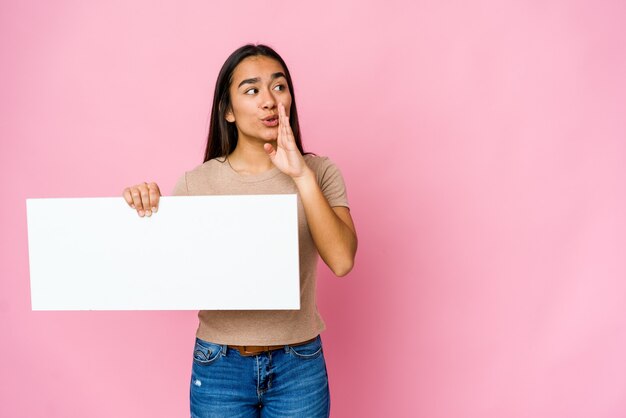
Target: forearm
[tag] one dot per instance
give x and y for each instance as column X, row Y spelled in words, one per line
column 334, row 238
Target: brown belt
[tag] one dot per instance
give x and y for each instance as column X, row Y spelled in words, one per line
column 253, row 350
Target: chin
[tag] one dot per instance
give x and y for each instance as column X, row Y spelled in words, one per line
column 270, row 136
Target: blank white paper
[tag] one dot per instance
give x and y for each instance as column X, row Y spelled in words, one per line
column 196, row 252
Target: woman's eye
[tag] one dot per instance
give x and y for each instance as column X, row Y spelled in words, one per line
column 279, row 87
column 251, row 91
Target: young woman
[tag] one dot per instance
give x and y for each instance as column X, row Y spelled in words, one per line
column 264, row 363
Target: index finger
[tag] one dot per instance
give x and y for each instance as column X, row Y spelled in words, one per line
column 284, row 126
column 281, row 111
column 155, row 194
column 128, row 197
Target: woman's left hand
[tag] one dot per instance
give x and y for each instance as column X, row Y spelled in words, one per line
column 332, row 229
column 286, row 156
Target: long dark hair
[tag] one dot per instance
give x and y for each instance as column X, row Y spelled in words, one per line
column 222, row 138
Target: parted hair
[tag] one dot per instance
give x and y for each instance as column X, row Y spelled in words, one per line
column 222, row 138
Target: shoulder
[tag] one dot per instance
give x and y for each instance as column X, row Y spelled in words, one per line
column 314, row 159
column 211, row 165
column 209, row 168
column 319, row 164
column 199, row 177
column 329, row 179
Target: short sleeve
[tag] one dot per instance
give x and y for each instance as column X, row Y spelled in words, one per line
column 180, row 189
column 331, row 182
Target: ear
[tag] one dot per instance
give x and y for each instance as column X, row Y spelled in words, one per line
column 229, row 116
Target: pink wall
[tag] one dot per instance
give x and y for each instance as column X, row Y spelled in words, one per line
column 484, row 147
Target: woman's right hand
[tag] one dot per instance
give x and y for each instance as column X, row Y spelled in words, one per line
column 143, row 197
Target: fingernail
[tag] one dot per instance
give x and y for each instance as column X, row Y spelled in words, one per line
column 132, row 206
column 141, row 213
column 154, row 209
column 148, row 213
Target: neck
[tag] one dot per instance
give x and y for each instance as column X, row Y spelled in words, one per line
column 250, row 157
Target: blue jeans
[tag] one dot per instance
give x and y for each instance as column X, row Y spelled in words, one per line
column 289, row 382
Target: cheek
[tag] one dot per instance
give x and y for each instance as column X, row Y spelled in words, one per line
column 242, row 113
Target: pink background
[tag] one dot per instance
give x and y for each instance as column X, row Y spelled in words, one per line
column 484, row 148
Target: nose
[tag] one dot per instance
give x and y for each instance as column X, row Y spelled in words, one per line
column 268, row 101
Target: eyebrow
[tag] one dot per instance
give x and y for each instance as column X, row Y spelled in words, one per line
column 257, row 79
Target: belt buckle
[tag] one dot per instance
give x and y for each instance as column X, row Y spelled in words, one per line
column 259, row 350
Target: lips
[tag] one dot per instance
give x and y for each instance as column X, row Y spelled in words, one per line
column 271, row 120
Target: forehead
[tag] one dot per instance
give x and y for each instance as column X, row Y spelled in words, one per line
column 256, row 66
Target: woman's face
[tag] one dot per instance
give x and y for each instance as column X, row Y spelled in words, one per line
column 258, row 85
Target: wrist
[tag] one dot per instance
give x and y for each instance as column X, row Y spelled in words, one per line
column 306, row 177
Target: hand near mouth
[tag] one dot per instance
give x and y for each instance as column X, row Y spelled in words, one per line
column 286, row 157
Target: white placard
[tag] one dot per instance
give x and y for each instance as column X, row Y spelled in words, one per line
column 196, row 252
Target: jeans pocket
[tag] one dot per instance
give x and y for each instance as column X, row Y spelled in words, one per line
column 307, row 351
column 205, row 353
